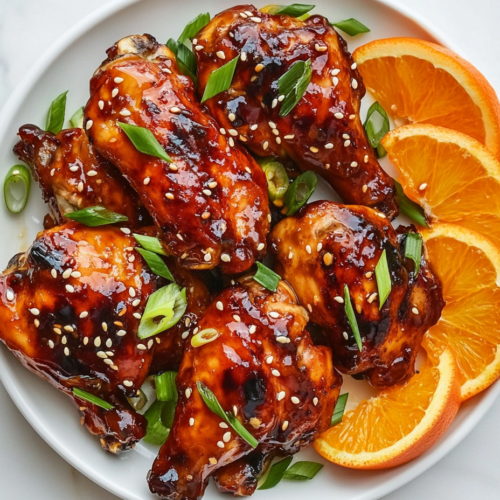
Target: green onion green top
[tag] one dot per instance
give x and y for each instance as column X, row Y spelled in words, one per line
column 194, row 26
column 220, row 79
column 413, row 249
column 166, row 389
column 294, row 10
column 186, row 61
column 276, row 473
column 299, row 192
column 55, row 116
column 144, row 141
column 76, row 120
column 383, row 276
column 86, row 396
column 349, row 310
column 376, row 126
column 95, row 216
column 338, row 412
column 351, row 26
column 16, row 188
column 160, row 417
column 150, row 243
column 267, row 277
column 293, row 84
column 156, row 264
column 302, row 471
column 408, row 207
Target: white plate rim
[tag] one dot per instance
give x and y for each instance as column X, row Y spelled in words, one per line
column 7, row 112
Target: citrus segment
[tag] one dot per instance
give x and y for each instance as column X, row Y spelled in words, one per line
column 422, row 82
column 400, row 423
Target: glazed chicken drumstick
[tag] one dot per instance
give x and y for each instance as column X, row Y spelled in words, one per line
column 323, row 132
column 261, row 365
column 210, row 202
column 327, row 246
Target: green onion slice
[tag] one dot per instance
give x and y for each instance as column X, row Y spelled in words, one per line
column 164, row 309
column 338, row 413
column 156, row 264
column 220, row 79
column 16, row 188
column 76, row 120
column 383, row 279
column 160, row 417
column 214, row 406
column 413, row 249
column 185, row 59
column 166, row 390
column 408, row 207
column 150, row 243
column 349, row 310
column 277, row 179
column 300, row 191
column 144, row 141
column 55, row 116
column 204, row 337
column 376, row 126
column 194, row 26
column 294, row 10
column 276, row 473
column 267, row 277
column 351, row 26
column 302, row 471
column 96, row 216
column 86, row 396
column 293, row 84
column 138, row 402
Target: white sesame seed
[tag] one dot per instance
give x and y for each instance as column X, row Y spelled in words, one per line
column 295, row 400
column 128, row 383
column 109, row 343
column 221, row 54
column 320, row 48
column 207, row 257
column 109, row 361
column 85, row 340
column 34, row 311
column 175, row 110
column 260, row 246
column 136, row 302
column 131, row 292
column 58, row 331
column 274, row 103
column 37, row 323
column 114, row 92
column 244, row 16
column 339, row 115
column 199, row 47
column 97, row 341
column 269, row 360
column 89, row 124
column 289, row 137
column 243, row 56
column 67, row 273
column 314, row 149
column 284, row 425
column 188, row 392
column 102, row 355
column 223, row 425
column 265, row 145
column 414, row 310
column 66, row 351
column 213, row 460
column 280, row 395
column 170, row 196
column 110, row 353
column 345, row 335
column 131, row 259
column 372, row 297
column 364, row 188
column 290, row 255
column 354, row 84
column 141, row 347
column 335, row 81
column 51, row 344
column 137, row 315
column 319, row 246
column 69, row 289
column 220, row 444
column 150, row 343
column 252, row 329
column 146, row 181
column 64, row 340
column 335, row 72
column 422, row 186
column 275, row 372
column 366, row 158
column 354, row 164
column 308, row 249
column 191, row 422
column 52, row 172
column 339, row 299
column 114, row 367
column 329, row 145
column 101, row 104
column 231, row 142
column 231, row 117
column 219, row 305
column 235, row 410
column 69, row 328
column 233, row 132
column 283, row 340
column 80, row 186
column 256, row 19
column 118, row 79
column 104, row 326
column 347, row 143
column 222, row 131
column 125, row 112
column 226, row 437
column 53, row 273
column 125, row 230
column 274, row 314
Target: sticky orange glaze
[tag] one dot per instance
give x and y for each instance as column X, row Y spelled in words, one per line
column 323, row 132
column 211, row 202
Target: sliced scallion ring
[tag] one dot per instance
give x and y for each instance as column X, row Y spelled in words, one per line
column 138, row 402
column 266, row 277
column 299, row 192
column 166, row 389
column 204, row 337
column 16, row 188
column 277, row 180
column 376, row 126
column 413, row 249
column 160, row 416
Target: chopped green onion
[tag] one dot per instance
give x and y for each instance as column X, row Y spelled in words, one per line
column 293, row 84
column 276, row 473
column 96, row 216
column 349, row 310
column 166, row 390
column 185, row 59
column 214, row 406
column 294, row 10
column 204, row 337
column 160, row 416
column 16, row 188
column 302, row 471
column 408, row 207
column 299, row 192
column 164, row 309
column 138, row 402
column 144, row 141
column 86, row 396
column 220, row 79
column 194, row 26
column 351, row 26
column 376, row 126
column 266, row 277
column 150, row 243
column 383, row 279
column 338, row 413
column 277, row 179
column 55, row 116
column 76, row 120
column 413, row 249
column 156, row 264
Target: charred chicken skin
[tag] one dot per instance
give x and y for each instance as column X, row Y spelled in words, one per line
column 327, row 246
column 67, row 312
column 262, row 366
column 323, row 132
column 211, row 201
column 73, row 175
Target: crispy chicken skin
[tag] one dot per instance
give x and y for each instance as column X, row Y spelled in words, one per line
column 264, row 368
column 323, row 132
column 73, row 175
column 66, row 312
column 211, row 202
column 326, row 246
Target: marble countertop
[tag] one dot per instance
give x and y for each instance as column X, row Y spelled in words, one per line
column 28, row 466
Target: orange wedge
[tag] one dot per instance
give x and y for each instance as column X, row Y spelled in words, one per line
column 454, row 177
column 400, row 423
column 422, row 82
column 468, row 265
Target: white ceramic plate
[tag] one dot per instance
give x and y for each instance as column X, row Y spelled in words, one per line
column 69, row 65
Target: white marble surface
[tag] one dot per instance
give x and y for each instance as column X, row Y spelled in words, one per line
column 29, row 469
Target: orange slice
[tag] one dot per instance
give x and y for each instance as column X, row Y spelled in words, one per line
column 422, row 82
column 468, row 265
column 400, row 423
column 454, row 177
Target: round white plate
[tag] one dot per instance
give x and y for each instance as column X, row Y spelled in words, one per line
column 68, row 65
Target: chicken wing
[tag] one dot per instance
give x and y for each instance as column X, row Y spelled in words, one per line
column 73, row 175
column 262, row 366
column 327, row 246
column 211, row 202
column 323, row 132
column 69, row 310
